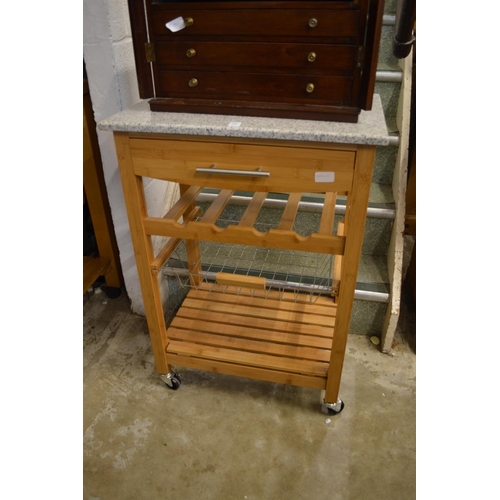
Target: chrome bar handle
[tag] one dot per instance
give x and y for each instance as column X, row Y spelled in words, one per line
column 222, row 171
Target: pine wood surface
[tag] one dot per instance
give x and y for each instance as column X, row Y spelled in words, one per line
column 291, row 170
column 238, row 280
column 253, row 332
column 268, row 339
column 243, row 235
column 93, row 267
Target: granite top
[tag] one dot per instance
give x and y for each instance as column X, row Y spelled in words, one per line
column 370, row 129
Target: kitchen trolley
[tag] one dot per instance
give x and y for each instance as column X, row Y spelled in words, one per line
column 259, row 323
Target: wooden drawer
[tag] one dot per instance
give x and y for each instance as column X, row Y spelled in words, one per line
column 266, row 23
column 254, row 87
column 290, row 169
column 238, row 45
column 232, row 56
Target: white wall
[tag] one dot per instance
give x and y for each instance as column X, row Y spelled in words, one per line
column 109, row 60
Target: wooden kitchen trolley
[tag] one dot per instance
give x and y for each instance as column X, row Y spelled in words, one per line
column 234, row 323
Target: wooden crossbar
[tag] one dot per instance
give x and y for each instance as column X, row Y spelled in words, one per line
column 183, row 204
column 290, row 212
column 217, row 206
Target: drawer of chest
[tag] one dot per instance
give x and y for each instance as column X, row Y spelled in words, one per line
column 258, row 22
column 244, row 166
column 255, row 87
column 231, row 56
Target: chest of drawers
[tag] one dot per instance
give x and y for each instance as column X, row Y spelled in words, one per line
column 282, row 59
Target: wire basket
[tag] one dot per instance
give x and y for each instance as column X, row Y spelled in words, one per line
column 255, row 271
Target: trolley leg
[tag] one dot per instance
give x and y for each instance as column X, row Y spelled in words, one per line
column 135, row 202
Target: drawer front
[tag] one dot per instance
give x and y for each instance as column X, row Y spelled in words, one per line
column 290, row 169
column 232, row 56
column 266, row 23
column 251, row 86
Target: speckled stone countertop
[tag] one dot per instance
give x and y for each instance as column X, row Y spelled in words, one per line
column 370, row 129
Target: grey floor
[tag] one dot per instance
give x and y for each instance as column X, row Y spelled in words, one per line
column 222, row 437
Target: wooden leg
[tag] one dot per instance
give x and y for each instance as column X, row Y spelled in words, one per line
column 357, row 204
column 136, row 209
column 193, row 250
column 97, row 199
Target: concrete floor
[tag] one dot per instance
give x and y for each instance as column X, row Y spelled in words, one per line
column 221, row 437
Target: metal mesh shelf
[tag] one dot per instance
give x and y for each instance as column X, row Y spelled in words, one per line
column 287, row 274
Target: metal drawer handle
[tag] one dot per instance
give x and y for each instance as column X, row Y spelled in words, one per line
column 313, row 23
column 190, row 52
column 310, row 87
column 222, row 171
column 311, row 57
column 193, row 82
column 188, row 21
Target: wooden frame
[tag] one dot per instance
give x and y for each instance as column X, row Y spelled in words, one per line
column 108, row 262
column 267, row 339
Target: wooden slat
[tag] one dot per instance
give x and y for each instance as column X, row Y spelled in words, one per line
column 246, row 345
column 276, row 376
column 253, row 209
column 239, row 280
column 218, row 205
column 328, row 214
column 307, row 367
column 239, row 235
column 263, row 303
column 254, row 312
column 171, row 245
column 290, row 212
column 212, row 323
column 258, row 323
column 184, row 203
column 337, row 263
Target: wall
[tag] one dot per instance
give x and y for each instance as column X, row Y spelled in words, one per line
column 109, row 61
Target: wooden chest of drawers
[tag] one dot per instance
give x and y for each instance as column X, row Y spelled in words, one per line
column 310, row 60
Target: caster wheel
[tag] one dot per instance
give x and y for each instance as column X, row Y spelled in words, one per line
column 173, row 382
column 331, row 411
column 111, row 291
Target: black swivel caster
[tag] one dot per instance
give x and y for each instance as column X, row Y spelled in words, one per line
column 172, row 380
column 111, row 291
column 332, row 408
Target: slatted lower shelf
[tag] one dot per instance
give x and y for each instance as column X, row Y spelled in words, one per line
column 267, row 339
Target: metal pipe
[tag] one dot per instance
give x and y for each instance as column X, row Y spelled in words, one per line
column 389, row 76
column 305, row 206
column 367, row 295
column 389, row 19
column 404, row 37
column 393, row 140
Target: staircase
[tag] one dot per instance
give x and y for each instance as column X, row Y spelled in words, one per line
column 376, row 306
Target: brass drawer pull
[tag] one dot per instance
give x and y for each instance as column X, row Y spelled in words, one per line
column 311, row 57
column 313, row 23
column 193, row 82
column 310, row 87
column 190, row 52
column 188, row 21
column 221, row 171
